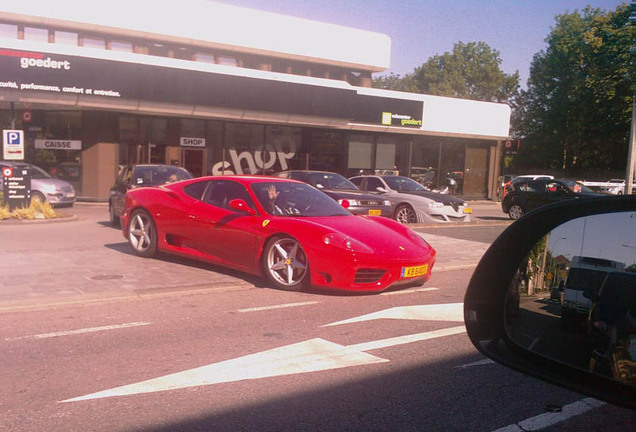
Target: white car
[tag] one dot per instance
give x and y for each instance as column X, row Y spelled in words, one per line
column 615, row 187
column 413, row 202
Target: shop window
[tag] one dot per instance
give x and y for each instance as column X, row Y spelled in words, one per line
column 66, row 38
column 243, row 150
column 227, row 60
column 283, row 149
column 36, row 34
column 360, row 154
column 93, row 42
column 385, row 156
column 327, row 151
column 192, row 128
column 121, row 46
column 8, row 31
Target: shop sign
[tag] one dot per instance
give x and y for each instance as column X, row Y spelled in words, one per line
column 393, row 119
column 192, row 142
column 16, row 184
column 53, row 144
column 12, row 144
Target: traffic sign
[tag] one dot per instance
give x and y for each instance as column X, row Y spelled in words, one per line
column 13, row 144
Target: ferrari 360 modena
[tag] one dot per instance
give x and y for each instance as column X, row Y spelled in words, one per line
column 287, row 231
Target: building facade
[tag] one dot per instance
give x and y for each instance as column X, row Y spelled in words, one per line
column 214, row 89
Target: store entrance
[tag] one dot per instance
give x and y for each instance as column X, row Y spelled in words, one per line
column 194, row 161
column 475, row 172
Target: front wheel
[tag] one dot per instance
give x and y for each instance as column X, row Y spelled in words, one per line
column 405, row 214
column 142, row 234
column 515, row 212
column 114, row 218
column 37, row 197
column 285, row 264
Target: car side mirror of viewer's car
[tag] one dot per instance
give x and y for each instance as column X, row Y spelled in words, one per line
column 582, row 337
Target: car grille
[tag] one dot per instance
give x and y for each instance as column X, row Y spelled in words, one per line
column 371, row 203
column 366, row 276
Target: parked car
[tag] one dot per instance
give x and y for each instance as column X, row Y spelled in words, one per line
column 134, row 176
column 286, row 230
column 44, row 187
column 342, row 190
column 528, row 194
column 508, row 185
column 413, row 202
column 616, row 187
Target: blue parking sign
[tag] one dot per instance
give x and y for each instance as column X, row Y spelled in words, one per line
column 13, row 144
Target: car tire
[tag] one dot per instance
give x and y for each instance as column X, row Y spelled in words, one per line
column 405, row 214
column 114, row 219
column 285, row 264
column 37, row 197
column 515, row 211
column 142, row 234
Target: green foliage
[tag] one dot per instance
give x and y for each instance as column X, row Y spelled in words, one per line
column 36, row 210
column 576, row 113
column 471, row 71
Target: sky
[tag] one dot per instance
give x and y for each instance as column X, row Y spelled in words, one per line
column 420, row 29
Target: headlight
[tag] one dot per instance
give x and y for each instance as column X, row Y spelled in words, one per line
column 51, row 189
column 345, row 242
column 436, row 204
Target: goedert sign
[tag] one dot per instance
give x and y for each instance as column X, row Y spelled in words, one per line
column 16, row 187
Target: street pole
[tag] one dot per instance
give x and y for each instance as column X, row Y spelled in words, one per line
column 631, row 154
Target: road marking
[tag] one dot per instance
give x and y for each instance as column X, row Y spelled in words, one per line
column 438, row 312
column 477, row 363
column 411, row 291
column 542, row 421
column 308, row 356
column 280, row 306
column 80, row 331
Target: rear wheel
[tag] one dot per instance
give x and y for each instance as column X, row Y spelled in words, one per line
column 114, row 218
column 515, row 211
column 142, row 234
column 285, row 264
column 405, row 214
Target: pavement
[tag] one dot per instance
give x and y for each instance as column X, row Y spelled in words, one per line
column 86, row 266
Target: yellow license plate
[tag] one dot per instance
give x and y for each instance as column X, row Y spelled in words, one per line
column 468, row 210
column 408, row 272
column 375, row 212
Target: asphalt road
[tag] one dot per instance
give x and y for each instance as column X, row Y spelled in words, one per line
column 240, row 356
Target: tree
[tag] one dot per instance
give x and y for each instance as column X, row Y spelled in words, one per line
column 471, row 71
column 576, row 113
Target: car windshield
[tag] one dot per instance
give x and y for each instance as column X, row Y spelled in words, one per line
column 403, row 184
column 330, row 181
column 577, row 187
column 158, row 175
column 295, row 199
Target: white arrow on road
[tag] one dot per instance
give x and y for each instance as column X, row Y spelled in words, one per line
column 436, row 312
column 308, row 356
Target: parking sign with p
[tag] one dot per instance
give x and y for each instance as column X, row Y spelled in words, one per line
column 13, row 144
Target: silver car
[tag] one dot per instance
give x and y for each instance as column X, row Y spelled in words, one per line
column 413, row 203
column 44, row 188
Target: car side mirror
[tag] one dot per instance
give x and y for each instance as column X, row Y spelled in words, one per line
column 586, row 343
column 241, row 205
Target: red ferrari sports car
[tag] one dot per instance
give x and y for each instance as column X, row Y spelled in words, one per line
column 288, row 231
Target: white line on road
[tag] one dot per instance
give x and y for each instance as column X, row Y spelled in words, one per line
column 401, row 340
column 477, row 363
column 80, row 331
column 408, row 291
column 280, row 306
column 542, row 421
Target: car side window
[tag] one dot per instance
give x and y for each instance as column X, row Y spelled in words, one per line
column 357, row 181
column 530, row 186
column 220, row 193
column 373, row 184
column 195, row 190
column 555, row 188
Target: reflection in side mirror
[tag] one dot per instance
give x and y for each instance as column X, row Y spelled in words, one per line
column 573, row 299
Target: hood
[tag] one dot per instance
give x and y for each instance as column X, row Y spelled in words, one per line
column 443, row 198
column 351, row 194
